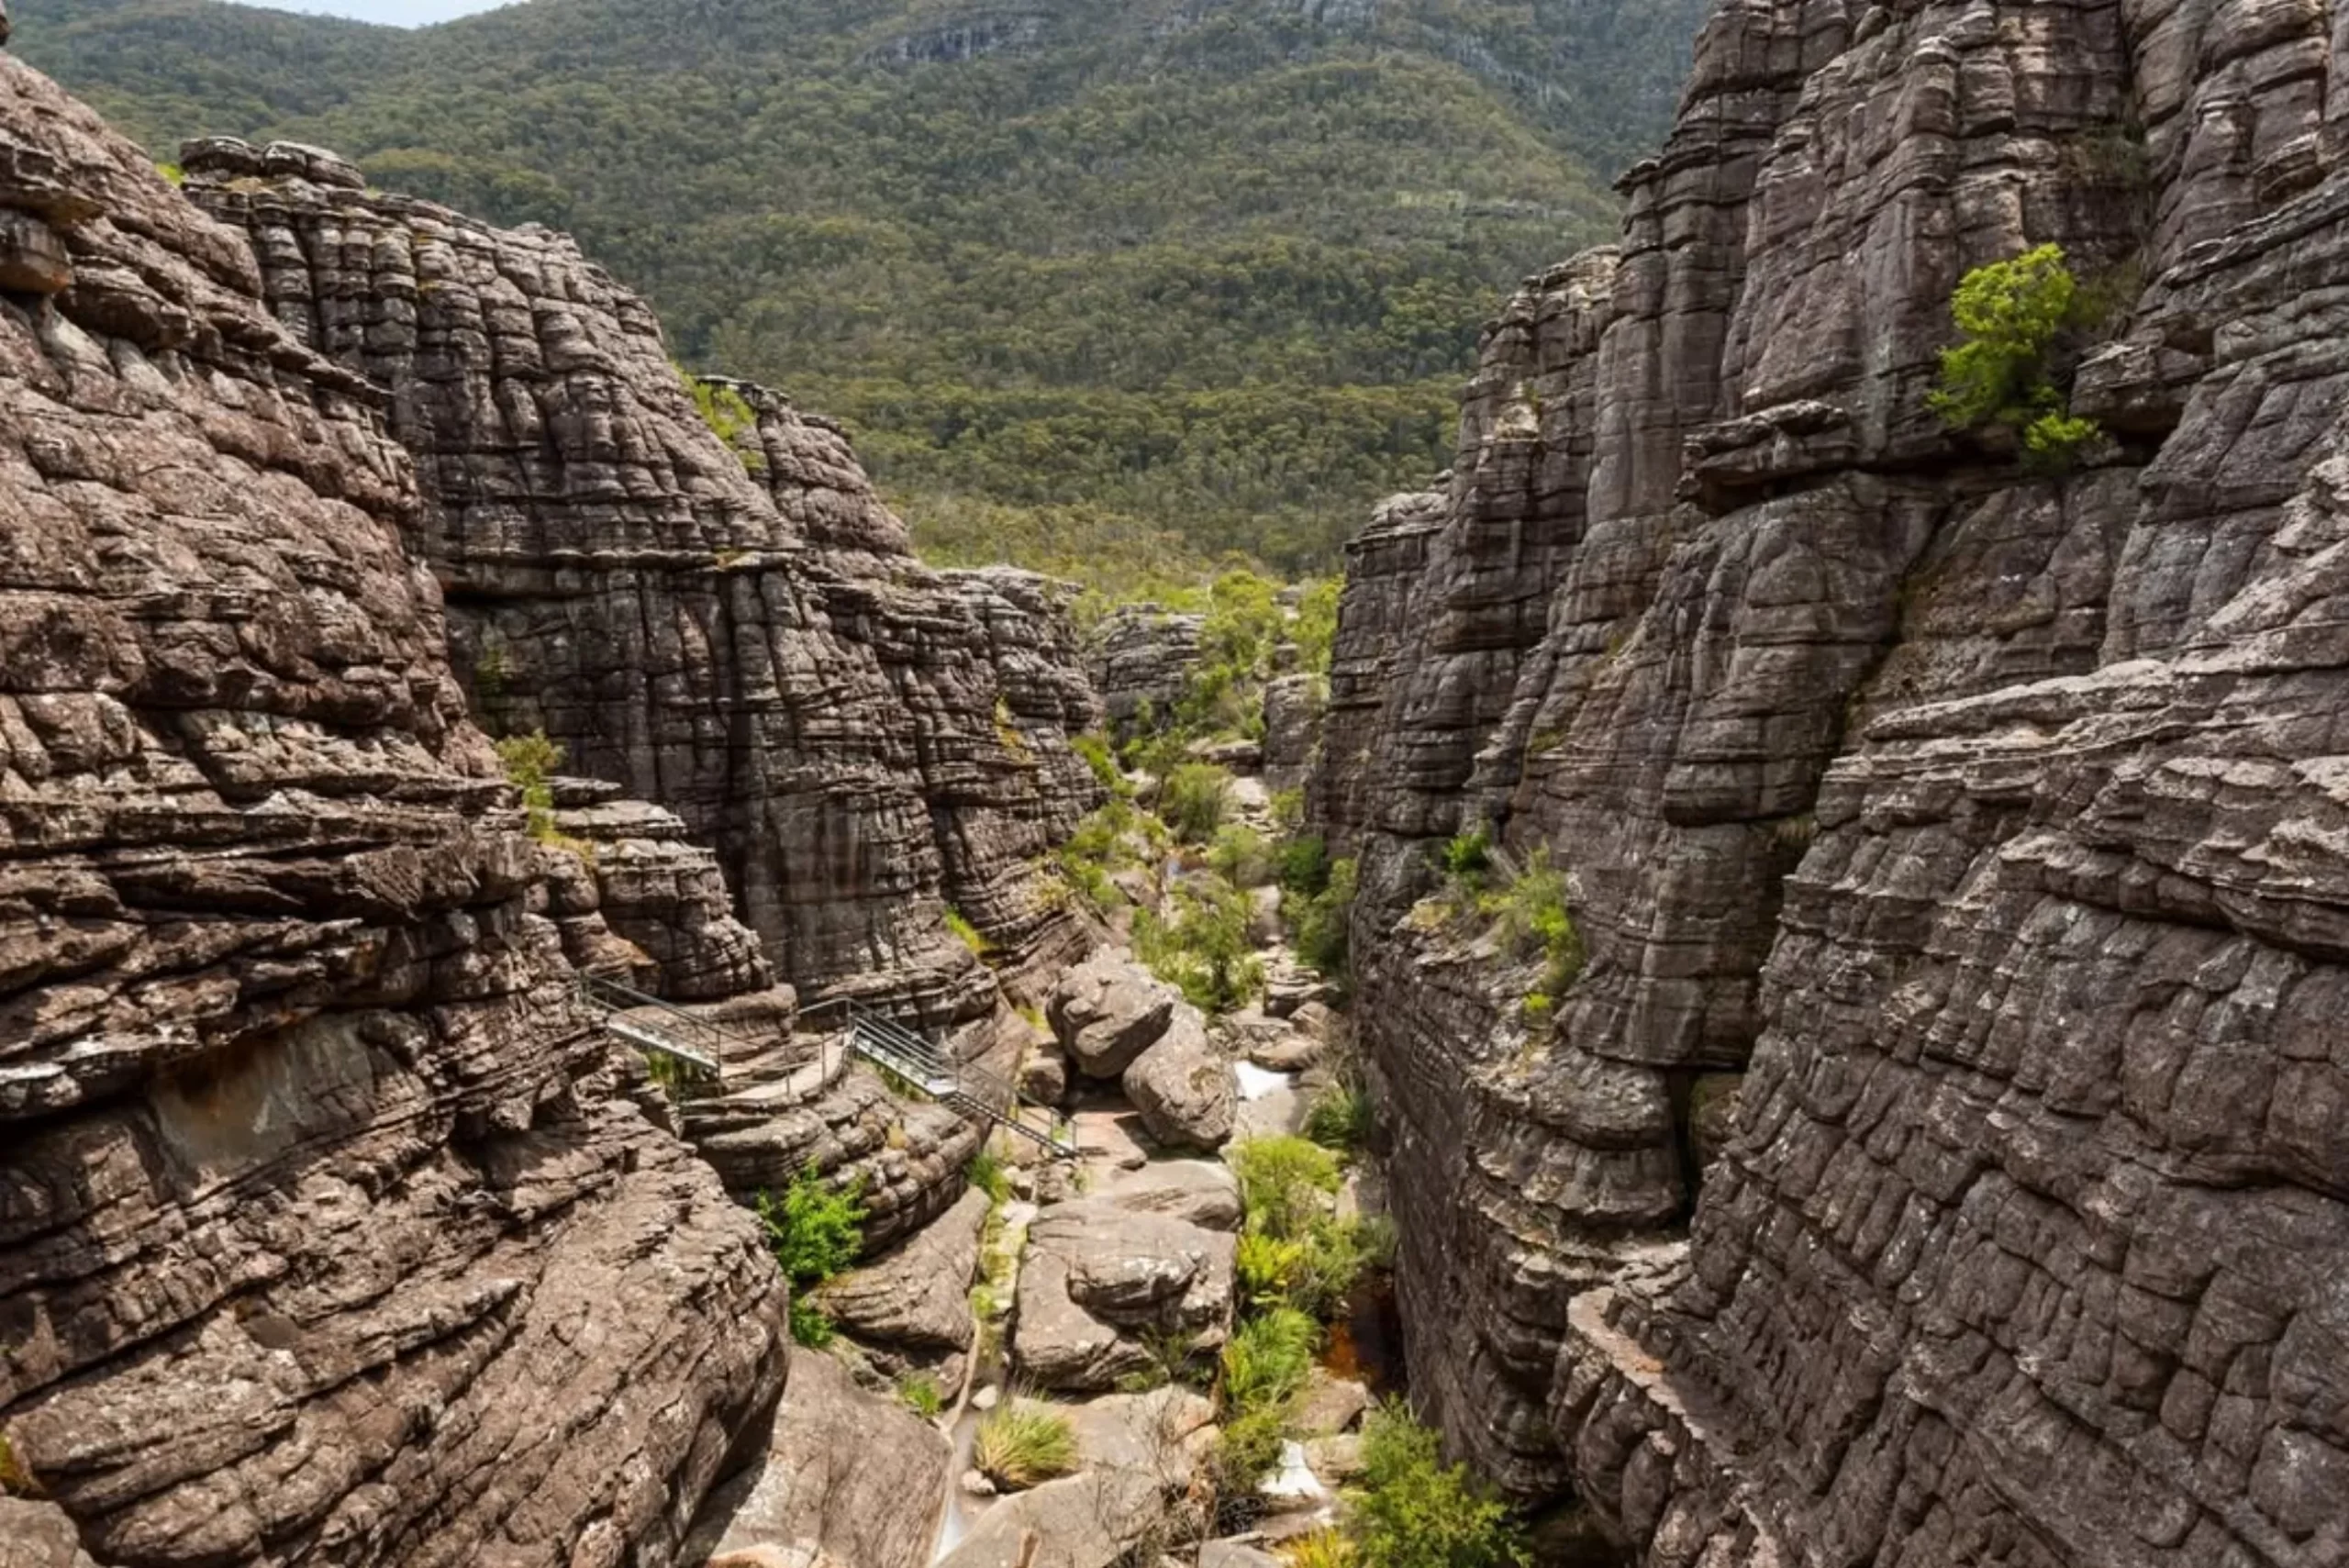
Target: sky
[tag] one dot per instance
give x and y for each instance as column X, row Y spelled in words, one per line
column 395, row 13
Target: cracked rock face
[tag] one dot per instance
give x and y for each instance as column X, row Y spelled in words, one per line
column 693, row 588
column 323, row 1206
column 1981, row 819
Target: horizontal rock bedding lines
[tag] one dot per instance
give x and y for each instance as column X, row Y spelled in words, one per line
column 332, row 1231
column 692, row 587
column 1977, row 816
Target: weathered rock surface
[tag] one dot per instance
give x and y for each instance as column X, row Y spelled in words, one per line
column 852, row 1478
column 729, row 624
column 1098, row 1275
column 1293, row 707
column 919, row 1296
column 1981, row 817
column 1107, row 1010
column 1203, row 1192
column 1140, row 663
column 332, row 1230
column 1138, row 1452
column 1183, row 1086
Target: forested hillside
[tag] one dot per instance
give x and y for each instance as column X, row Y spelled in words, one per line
column 1104, row 286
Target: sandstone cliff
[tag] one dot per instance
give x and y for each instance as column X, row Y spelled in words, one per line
column 707, row 605
column 329, row 1230
column 1987, row 822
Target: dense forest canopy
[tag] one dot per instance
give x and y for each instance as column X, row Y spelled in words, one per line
column 1109, row 286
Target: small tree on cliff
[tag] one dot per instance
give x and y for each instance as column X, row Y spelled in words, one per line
column 2014, row 316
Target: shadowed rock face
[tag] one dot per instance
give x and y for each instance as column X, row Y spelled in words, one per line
column 331, row 1232
column 1982, row 818
column 708, row 606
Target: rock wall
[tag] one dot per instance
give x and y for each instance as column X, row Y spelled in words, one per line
column 1140, row 663
column 1979, row 816
column 693, row 588
column 330, row 1230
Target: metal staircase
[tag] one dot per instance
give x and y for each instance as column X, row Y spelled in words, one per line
column 913, row 1061
column 693, row 1042
column 701, row 1048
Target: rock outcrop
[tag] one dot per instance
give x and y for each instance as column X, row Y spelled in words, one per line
column 851, row 1478
column 332, row 1230
column 1107, row 1010
column 692, row 588
column 1100, row 1276
column 1140, row 663
column 1981, row 817
column 1183, row 1086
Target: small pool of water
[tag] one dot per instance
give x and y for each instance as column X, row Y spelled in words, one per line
column 1366, row 1344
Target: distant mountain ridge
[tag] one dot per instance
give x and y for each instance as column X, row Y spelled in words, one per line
column 1106, row 288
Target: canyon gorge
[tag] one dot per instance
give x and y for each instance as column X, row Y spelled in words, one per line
column 1927, row 1143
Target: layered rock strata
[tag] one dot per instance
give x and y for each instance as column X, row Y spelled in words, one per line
column 692, row 587
column 1140, row 663
column 330, row 1229
column 1980, row 815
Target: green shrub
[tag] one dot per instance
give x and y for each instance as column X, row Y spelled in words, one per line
column 1021, row 1444
column 1266, row 1266
column 530, row 761
column 1094, row 750
column 1530, row 915
column 1301, row 864
column 1315, row 630
column 1467, row 854
column 729, row 416
column 1099, row 846
column 815, row 1230
column 1203, row 946
column 988, row 1174
column 1193, row 799
column 1268, row 1358
column 2011, row 316
column 1339, row 1117
column 1241, row 856
column 1322, row 1549
column 1284, row 1183
column 1248, row 1449
column 1287, row 809
column 921, row 1394
column 965, row 932
column 1540, row 1007
column 1318, row 922
column 1414, row 1511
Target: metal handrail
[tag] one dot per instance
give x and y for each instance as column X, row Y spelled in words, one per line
column 892, row 1045
column 609, row 996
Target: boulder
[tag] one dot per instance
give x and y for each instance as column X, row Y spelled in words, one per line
column 1235, row 1554
column 1107, row 1011
column 1184, row 1088
column 1099, row 1278
column 1291, row 1051
column 1043, row 1073
column 1090, row 1521
column 1328, row 1405
column 1203, row 1192
column 919, row 1296
column 848, row 1474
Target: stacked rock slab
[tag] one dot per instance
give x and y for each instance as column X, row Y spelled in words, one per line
column 1987, row 816
column 692, row 587
column 1140, row 663
column 324, row 1235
